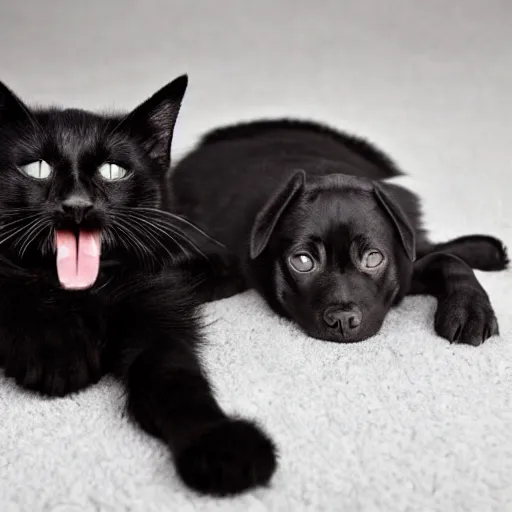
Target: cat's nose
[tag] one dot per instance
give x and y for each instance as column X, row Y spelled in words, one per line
column 77, row 207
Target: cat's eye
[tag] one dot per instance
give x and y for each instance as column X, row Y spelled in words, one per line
column 372, row 259
column 39, row 170
column 112, row 172
column 302, row 262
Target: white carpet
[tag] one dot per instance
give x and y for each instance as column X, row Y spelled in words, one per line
column 401, row 422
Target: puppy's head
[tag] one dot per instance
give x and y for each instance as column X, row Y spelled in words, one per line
column 341, row 252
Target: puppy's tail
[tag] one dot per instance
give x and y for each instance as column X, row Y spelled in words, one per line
column 481, row 252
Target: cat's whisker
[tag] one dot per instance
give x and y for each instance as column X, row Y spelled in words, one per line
column 154, row 229
column 168, row 231
column 156, row 211
column 133, row 236
column 178, row 232
column 161, row 222
column 12, row 232
column 47, row 243
column 174, row 230
column 126, row 238
column 182, row 236
column 125, row 234
column 150, row 230
column 31, row 236
column 17, row 221
column 27, row 230
column 108, row 238
column 135, row 232
column 17, row 211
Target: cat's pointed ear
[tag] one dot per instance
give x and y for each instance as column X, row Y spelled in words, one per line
column 11, row 107
column 153, row 121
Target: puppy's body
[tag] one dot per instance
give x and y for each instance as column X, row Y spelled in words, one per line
column 238, row 168
column 269, row 188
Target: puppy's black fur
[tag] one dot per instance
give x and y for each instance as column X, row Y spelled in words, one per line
column 139, row 320
column 308, row 219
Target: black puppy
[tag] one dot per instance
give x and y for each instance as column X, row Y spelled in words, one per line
column 309, row 221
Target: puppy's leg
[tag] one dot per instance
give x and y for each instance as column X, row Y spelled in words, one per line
column 481, row 252
column 464, row 313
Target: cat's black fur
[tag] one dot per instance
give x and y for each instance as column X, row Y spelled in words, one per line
column 273, row 189
column 139, row 321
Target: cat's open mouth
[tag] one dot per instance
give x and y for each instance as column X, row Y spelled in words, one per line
column 78, row 258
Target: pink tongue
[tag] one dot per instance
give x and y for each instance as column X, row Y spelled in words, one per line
column 78, row 268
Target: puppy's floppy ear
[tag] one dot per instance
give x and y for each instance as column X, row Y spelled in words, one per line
column 269, row 215
column 152, row 122
column 399, row 219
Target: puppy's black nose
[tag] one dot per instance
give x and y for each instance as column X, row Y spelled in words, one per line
column 77, row 207
column 347, row 319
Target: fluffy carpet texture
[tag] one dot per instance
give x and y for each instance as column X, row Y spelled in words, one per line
column 401, row 422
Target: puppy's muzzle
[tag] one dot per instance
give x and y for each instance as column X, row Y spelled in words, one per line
column 346, row 319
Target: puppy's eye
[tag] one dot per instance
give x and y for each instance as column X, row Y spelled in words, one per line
column 39, row 170
column 372, row 259
column 302, row 262
column 112, row 172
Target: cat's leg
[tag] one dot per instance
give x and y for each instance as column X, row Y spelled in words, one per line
column 49, row 344
column 170, row 397
column 481, row 252
column 464, row 313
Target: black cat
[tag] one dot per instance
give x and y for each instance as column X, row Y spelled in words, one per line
column 89, row 281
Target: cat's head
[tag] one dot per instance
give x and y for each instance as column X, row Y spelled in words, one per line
column 76, row 185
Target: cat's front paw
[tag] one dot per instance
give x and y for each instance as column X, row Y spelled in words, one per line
column 54, row 365
column 466, row 316
column 227, row 459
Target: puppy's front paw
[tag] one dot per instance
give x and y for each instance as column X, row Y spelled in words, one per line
column 466, row 316
column 228, row 459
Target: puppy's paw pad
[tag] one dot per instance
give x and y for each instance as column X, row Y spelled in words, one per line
column 228, row 459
